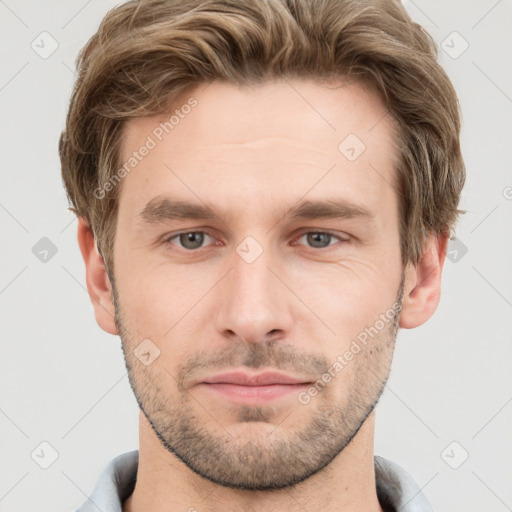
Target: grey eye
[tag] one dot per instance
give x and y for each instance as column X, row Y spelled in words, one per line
column 190, row 240
column 320, row 239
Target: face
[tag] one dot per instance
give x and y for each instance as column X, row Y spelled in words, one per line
column 294, row 267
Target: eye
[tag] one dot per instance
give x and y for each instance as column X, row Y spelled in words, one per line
column 189, row 240
column 320, row 239
column 193, row 240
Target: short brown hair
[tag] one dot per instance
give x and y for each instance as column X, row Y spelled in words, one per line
column 147, row 52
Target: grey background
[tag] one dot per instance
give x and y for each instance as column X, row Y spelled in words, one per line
column 63, row 379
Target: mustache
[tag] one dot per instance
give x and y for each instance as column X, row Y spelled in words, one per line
column 272, row 354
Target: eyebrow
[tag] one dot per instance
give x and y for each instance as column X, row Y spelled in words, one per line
column 161, row 209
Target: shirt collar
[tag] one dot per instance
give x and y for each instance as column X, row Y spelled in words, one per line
column 396, row 490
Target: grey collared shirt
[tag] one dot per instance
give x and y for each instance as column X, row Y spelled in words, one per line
column 396, row 490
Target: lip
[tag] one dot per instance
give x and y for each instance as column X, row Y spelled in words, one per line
column 259, row 379
column 244, row 388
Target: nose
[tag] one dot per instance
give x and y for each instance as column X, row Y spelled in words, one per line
column 253, row 303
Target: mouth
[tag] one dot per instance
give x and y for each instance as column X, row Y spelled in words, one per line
column 241, row 387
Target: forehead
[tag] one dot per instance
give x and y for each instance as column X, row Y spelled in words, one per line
column 319, row 114
column 280, row 140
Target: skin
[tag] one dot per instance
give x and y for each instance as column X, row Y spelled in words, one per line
column 254, row 152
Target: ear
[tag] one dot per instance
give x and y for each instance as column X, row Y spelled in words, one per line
column 98, row 282
column 422, row 289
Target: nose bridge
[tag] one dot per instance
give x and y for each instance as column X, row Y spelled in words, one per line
column 253, row 303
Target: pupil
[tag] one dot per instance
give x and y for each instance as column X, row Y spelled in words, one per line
column 189, row 242
column 315, row 237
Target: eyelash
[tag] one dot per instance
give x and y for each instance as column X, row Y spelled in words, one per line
column 169, row 239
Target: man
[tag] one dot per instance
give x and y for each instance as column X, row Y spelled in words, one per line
column 265, row 190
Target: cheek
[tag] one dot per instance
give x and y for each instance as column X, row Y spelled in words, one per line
column 160, row 301
column 348, row 295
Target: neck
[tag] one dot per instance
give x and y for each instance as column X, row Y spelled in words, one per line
column 164, row 483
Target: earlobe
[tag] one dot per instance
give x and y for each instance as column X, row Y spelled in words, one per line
column 422, row 290
column 97, row 279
